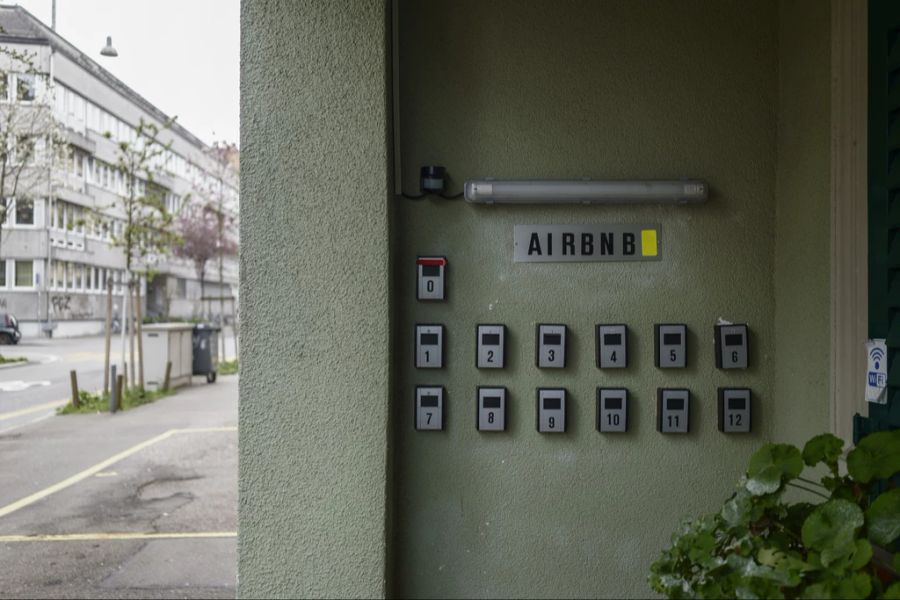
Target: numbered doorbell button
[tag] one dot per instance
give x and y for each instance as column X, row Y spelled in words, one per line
column 429, row 408
column 429, row 346
column 732, row 346
column 551, row 410
column 491, row 408
column 430, row 277
column 491, row 346
column 735, row 410
column 551, row 346
column 612, row 346
column 673, row 410
column 612, row 410
column 671, row 346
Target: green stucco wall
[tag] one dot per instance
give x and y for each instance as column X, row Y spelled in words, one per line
column 602, row 90
column 339, row 496
column 803, row 221
column 314, row 297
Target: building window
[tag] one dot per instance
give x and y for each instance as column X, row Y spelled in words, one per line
column 2, row 273
column 24, row 211
column 59, row 275
column 70, row 278
column 79, row 277
column 181, row 288
column 4, row 86
column 26, row 90
column 24, row 273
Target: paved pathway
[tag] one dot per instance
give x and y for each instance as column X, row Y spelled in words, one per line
column 138, row 504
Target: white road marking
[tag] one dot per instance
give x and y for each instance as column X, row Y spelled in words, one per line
column 17, row 385
column 91, row 537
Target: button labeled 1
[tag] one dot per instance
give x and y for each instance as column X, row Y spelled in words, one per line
column 430, row 277
column 612, row 346
column 429, row 346
column 612, row 410
column 731, row 346
column 673, row 410
column 491, row 409
column 551, row 346
column 491, row 341
column 671, row 346
column 429, row 408
column 551, row 410
column 734, row 410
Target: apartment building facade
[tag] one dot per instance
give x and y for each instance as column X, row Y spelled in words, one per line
column 58, row 247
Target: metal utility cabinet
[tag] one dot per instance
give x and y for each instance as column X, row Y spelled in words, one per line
column 165, row 342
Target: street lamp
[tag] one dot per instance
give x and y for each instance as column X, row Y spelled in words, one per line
column 108, row 49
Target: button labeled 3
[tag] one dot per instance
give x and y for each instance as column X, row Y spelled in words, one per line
column 551, row 410
column 430, row 271
column 491, row 346
column 491, row 405
column 551, row 346
column 429, row 408
column 429, row 346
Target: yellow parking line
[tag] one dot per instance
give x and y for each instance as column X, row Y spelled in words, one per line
column 31, row 409
column 10, row 508
column 92, row 537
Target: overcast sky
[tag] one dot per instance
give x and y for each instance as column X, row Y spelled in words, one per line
column 181, row 55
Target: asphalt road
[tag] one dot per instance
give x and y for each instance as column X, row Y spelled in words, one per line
column 31, row 392
column 138, row 504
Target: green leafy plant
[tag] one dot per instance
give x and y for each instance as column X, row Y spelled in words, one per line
column 93, row 402
column 761, row 546
column 228, row 367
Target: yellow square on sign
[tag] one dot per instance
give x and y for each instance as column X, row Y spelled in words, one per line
column 648, row 242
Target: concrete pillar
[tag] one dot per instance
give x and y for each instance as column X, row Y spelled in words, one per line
column 314, row 293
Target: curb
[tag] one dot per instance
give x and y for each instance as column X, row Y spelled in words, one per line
column 21, row 363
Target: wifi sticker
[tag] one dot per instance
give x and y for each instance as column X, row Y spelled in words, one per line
column 876, row 373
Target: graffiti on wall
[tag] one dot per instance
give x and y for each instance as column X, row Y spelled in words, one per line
column 62, row 307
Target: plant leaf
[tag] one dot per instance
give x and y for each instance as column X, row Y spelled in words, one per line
column 855, row 587
column 862, row 556
column 877, row 456
column 893, row 592
column 883, row 518
column 770, row 466
column 824, row 448
column 830, row 529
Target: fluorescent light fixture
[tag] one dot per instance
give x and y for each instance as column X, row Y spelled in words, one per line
column 534, row 191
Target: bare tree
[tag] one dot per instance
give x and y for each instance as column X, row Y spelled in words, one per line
column 200, row 241
column 215, row 196
column 31, row 139
column 148, row 231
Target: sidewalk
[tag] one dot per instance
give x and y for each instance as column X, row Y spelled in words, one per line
column 141, row 503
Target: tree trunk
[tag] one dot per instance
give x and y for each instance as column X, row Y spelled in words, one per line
column 140, row 329
column 132, row 370
column 108, row 335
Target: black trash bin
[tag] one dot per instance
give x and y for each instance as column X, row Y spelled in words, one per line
column 206, row 350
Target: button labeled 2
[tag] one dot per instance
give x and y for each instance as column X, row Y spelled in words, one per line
column 429, row 346
column 430, row 271
column 673, row 410
column 491, row 408
column 612, row 346
column 491, row 346
column 612, row 410
column 732, row 346
column 429, row 407
column 735, row 410
column 671, row 346
column 551, row 410
column 551, row 346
